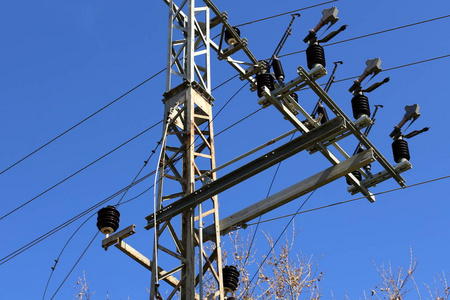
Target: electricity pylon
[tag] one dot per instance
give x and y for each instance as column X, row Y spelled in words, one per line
column 187, row 154
column 187, row 217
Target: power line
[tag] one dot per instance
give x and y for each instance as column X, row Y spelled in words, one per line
column 244, row 118
column 70, row 221
column 80, row 215
column 76, row 263
column 322, row 207
column 401, row 66
column 118, row 203
column 77, row 172
column 374, row 33
column 259, row 218
column 81, row 122
column 286, row 13
column 61, row 252
column 277, row 240
column 348, row 201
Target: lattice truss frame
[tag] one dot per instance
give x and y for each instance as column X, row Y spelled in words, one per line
column 187, row 157
column 189, row 44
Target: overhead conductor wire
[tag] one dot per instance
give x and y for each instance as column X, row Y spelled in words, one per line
column 136, row 87
column 77, row 172
column 374, row 33
column 81, row 122
column 258, row 110
column 34, row 242
column 80, row 215
column 82, row 224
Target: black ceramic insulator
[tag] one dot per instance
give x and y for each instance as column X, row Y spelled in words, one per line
column 321, row 110
column 400, row 150
column 357, row 175
column 230, row 278
column 360, row 106
column 229, row 39
column 366, row 167
column 108, row 219
column 278, row 69
column 295, row 97
column 265, row 79
column 315, row 55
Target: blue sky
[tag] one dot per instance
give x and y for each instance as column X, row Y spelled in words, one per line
column 62, row 61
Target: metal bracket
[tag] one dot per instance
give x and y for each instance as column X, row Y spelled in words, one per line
column 118, row 236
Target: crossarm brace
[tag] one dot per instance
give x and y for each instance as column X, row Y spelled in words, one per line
column 334, row 126
column 293, row 192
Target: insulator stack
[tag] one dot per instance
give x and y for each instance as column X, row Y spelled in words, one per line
column 366, row 167
column 360, row 106
column 278, row 69
column 230, row 278
column 321, row 110
column 315, row 55
column 295, row 97
column 357, row 175
column 108, row 219
column 229, row 39
column 400, row 150
column 265, row 79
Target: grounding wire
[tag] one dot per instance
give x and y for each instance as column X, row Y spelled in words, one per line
column 81, row 122
column 77, row 172
column 374, row 33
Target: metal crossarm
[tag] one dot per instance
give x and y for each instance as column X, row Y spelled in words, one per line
column 331, row 128
column 360, row 136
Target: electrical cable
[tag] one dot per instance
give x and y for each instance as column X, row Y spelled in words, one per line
column 372, row 34
column 399, row 67
column 351, row 200
column 226, row 81
column 118, row 203
column 259, row 218
column 80, row 215
column 61, row 252
column 155, row 204
column 286, row 13
column 76, row 263
column 277, row 240
column 293, row 215
column 77, row 172
column 148, row 79
column 239, row 121
column 140, row 171
column 70, row 221
column 81, row 122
